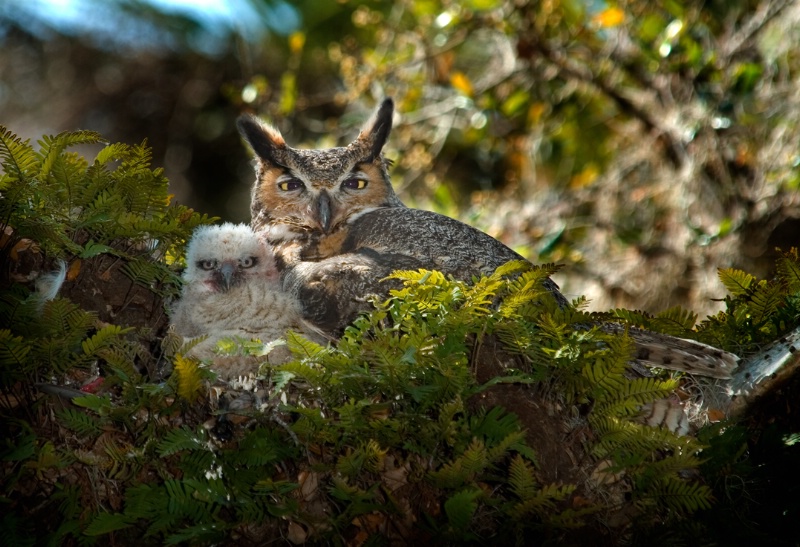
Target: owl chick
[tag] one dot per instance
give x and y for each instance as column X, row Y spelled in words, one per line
column 232, row 288
column 304, row 198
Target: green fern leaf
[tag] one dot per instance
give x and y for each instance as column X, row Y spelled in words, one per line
column 676, row 321
column 542, row 502
column 736, row 281
column 13, row 350
column 105, row 523
column 51, row 147
column 681, row 496
column 79, row 422
column 765, row 301
column 199, row 534
column 302, row 346
column 101, row 405
column 635, row 393
column 460, row 507
column 111, row 152
column 521, row 478
column 788, row 267
column 104, row 338
column 143, row 272
column 92, row 249
column 179, row 439
column 65, row 319
column 635, row 318
column 18, row 158
column 512, row 267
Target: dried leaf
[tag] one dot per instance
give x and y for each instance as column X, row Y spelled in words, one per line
column 296, row 533
column 74, row 269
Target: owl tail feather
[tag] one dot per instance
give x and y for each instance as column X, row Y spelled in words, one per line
column 654, row 349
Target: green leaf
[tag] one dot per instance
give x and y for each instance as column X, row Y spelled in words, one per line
column 93, row 249
column 736, row 281
column 302, row 346
column 788, row 267
column 178, row 440
column 52, row 147
column 105, row 523
column 13, row 350
column 101, row 405
column 460, row 507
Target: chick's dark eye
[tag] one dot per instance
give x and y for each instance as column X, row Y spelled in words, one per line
column 289, row 185
column 206, row 264
column 355, row 184
column 248, row 262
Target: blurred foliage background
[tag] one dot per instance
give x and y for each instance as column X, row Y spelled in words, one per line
column 642, row 144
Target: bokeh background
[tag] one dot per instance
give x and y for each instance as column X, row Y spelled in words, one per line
column 641, row 144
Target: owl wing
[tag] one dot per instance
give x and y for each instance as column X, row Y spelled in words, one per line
column 435, row 241
column 334, row 291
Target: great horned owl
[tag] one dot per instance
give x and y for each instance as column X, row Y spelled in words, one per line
column 232, row 289
column 340, row 229
column 303, row 198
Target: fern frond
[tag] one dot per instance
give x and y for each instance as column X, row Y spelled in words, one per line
column 463, row 469
column 111, row 152
column 636, row 318
column 681, row 496
column 788, row 267
column 542, row 502
column 13, row 351
column 104, row 338
column 521, row 478
column 606, row 374
column 68, row 320
column 105, row 523
column 178, row 440
column 633, row 394
column 18, row 158
column 736, row 281
column 51, row 147
column 460, row 507
column 765, row 301
column 79, row 422
column 302, row 346
column 676, row 321
column 143, row 272
column 512, row 267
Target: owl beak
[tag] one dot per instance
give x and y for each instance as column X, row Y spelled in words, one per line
column 323, row 211
column 228, row 271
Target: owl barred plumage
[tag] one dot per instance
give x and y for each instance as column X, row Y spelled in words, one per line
column 339, row 229
column 232, row 289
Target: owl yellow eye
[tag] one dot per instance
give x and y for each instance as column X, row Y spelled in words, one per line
column 355, row 184
column 207, row 264
column 289, row 185
column 248, row 262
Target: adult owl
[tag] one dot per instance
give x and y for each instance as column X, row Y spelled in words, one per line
column 304, row 199
column 339, row 229
column 232, row 289
column 339, row 202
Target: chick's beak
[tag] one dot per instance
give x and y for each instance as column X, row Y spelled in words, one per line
column 228, row 272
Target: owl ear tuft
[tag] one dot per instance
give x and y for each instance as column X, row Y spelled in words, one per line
column 376, row 131
column 265, row 140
